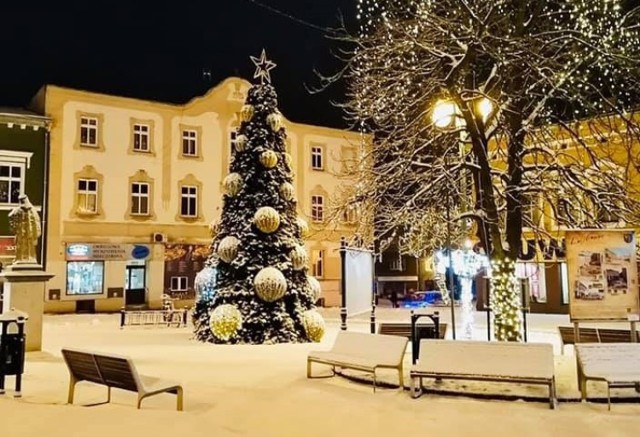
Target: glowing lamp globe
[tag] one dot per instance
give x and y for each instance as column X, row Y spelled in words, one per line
column 267, row 219
column 246, row 113
column 299, row 258
column 268, row 159
column 228, row 249
column 303, row 227
column 287, row 191
column 289, row 161
column 275, row 121
column 241, row 143
column 314, row 288
column 225, row 321
column 232, row 184
column 313, row 324
column 270, row 284
column 205, row 283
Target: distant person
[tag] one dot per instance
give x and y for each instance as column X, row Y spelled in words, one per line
column 394, row 298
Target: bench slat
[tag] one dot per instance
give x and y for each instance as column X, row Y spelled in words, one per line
column 82, row 366
column 117, row 372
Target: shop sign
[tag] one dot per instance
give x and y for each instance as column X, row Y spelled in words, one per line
column 107, row 252
column 7, row 246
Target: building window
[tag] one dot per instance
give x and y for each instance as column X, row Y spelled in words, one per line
column 533, row 277
column 11, row 182
column 316, row 158
column 318, row 263
column 349, row 215
column 141, row 138
column 189, row 201
column 317, row 208
column 179, row 283
column 88, row 196
column 140, row 198
column 89, row 131
column 396, row 264
column 85, row 277
column 189, row 143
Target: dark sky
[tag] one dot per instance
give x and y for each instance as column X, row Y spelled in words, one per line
column 158, row 50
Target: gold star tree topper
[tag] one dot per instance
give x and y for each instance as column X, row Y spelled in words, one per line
column 263, row 66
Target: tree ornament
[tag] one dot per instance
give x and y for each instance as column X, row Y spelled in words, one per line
column 214, row 228
column 246, row 113
column 303, row 227
column 314, row 288
column 232, row 184
column 269, row 159
column 225, row 321
column 228, row 249
column 299, row 257
column 270, row 284
column 267, row 219
column 313, row 325
column 241, row 143
column 288, row 160
column 205, row 283
column 275, row 121
column 287, row 191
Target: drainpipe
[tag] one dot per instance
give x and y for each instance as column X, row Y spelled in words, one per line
column 45, row 199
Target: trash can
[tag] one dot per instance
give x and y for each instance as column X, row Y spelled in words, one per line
column 12, row 348
column 422, row 331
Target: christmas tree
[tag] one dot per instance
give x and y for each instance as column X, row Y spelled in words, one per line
column 261, row 292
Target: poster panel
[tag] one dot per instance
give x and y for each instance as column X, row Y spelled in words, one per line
column 603, row 274
column 359, row 280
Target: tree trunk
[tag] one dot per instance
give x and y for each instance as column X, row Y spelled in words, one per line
column 505, row 299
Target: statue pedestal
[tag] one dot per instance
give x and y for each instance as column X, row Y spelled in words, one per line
column 24, row 290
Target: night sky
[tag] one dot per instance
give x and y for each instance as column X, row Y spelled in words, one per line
column 158, row 50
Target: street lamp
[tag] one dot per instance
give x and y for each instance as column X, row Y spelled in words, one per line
column 447, row 115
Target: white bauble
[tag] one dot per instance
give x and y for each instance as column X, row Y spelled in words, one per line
column 268, row 159
column 303, row 227
column 225, row 321
column 275, row 121
column 205, row 283
column 313, row 325
column 288, row 160
column 267, row 219
column 232, row 184
column 246, row 113
column 241, row 143
column 270, row 284
column 299, row 258
column 228, row 248
column 314, row 288
column 287, row 191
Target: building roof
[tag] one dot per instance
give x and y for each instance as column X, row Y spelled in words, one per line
column 22, row 116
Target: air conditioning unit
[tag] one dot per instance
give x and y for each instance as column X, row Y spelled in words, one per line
column 159, row 237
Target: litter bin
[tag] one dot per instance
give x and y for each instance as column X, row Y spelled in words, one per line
column 12, row 347
column 419, row 332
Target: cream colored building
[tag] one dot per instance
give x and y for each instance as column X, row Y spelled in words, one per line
column 134, row 185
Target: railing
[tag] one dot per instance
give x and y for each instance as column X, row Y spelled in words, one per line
column 154, row 318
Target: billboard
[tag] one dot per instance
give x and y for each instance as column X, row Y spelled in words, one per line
column 603, row 275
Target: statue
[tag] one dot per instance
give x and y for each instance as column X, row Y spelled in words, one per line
column 25, row 224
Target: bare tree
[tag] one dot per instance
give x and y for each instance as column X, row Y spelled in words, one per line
column 539, row 130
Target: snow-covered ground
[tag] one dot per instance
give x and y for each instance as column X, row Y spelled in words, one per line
column 263, row 391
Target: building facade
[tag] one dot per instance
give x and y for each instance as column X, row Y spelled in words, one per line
column 135, row 184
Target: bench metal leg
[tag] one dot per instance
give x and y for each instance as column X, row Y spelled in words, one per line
column 374, row 380
column 416, row 392
column 2, row 377
column 308, row 369
column 108, row 394
column 608, row 396
column 583, row 388
column 72, row 389
column 401, row 377
column 180, row 401
column 553, row 400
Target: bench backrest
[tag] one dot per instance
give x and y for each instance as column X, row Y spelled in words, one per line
column 404, row 329
column 82, row 365
column 500, row 359
column 614, row 335
column 587, row 335
column 377, row 347
column 117, row 372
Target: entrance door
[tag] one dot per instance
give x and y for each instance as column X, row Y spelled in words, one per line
column 135, row 285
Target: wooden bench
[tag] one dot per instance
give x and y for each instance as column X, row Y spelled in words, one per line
column 616, row 364
column 404, row 329
column 529, row 363
column 363, row 352
column 594, row 335
column 115, row 372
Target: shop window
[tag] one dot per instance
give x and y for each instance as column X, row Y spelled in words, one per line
column 179, row 283
column 89, row 131
column 87, row 196
column 85, row 277
column 189, row 142
column 189, row 201
column 141, row 137
column 317, row 208
column 533, row 273
column 11, row 182
column 139, row 198
column 318, row 263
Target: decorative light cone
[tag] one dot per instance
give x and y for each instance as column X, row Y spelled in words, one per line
column 314, row 288
column 232, row 184
column 228, row 248
column 270, row 284
column 303, row 227
column 225, row 321
column 241, row 143
column 268, row 159
column 313, row 325
column 299, row 258
column 246, row 113
column 275, row 121
column 205, row 282
column 287, row 191
column 267, row 219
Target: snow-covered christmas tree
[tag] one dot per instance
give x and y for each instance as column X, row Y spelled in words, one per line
column 262, row 293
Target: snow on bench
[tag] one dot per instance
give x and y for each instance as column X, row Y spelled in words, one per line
column 363, row 352
column 617, row 364
column 530, row 363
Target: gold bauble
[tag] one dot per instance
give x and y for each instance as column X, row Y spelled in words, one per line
column 288, row 160
column 299, row 258
column 314, row 288
column 267, row 219
column 246, row 113
column 303, row 227
column 287, row 191
column 269, row 159
column 225, row 321
column 270, row 284
column 313, row 325
column 275, row 121
column 241, row 143
column 228, row 248
column 232, row 184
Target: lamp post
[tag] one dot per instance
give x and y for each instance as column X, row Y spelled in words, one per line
column 447, row 116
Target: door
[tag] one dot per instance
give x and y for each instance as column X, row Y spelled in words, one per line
column 135, row 285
